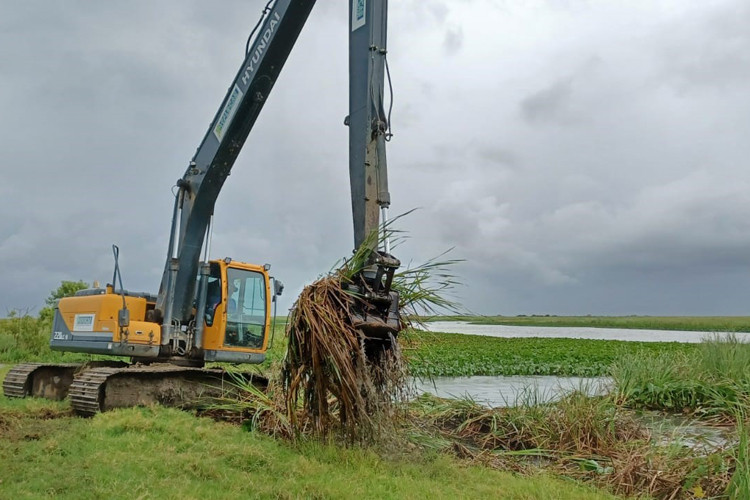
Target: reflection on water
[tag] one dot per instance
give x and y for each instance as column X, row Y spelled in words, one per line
column 683, row 430
column 511, row 391
column 507, row 331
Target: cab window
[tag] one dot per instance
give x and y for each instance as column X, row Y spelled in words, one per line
column 246, row 309
column 213, row 293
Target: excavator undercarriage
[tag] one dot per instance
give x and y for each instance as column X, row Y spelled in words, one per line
column 105, row 385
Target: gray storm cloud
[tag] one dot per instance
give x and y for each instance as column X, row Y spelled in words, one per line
column 582, row 158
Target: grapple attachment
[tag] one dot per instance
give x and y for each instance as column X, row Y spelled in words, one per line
column 376, row 310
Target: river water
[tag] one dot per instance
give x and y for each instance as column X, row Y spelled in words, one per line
column 510, row 391
column 506, row 391
column 502, row 391
column 506, row 331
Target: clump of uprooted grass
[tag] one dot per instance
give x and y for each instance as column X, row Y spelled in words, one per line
column 334, row 380
column 258, row 407
column 334, row 377
column 581, row 437
column 709, row 381
column 327, row 368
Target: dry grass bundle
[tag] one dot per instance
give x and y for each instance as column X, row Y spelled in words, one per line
column 339, row 377
column 334, row 379
column 666, row 472
column 575, row 425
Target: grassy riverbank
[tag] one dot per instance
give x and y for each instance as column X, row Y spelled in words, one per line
column 45, row 451
column 165, row 453
column 596, row 440
column 684, row 323
column 609, row 440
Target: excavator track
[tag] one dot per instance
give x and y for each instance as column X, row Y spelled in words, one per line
column 47, row 380
column 85, row 394
column 16, row 381
column 103, row 389
column 50, row 381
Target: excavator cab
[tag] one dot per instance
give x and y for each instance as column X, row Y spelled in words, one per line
column 238, row 312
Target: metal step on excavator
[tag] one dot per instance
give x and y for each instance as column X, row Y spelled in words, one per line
column 219, row 311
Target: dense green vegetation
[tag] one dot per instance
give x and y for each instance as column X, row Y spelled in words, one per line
column 446, row 354
column 155, row 452
column 164, row 453
column 713, row 379
column 685, row 323
column 26, row 338
column 600, row 440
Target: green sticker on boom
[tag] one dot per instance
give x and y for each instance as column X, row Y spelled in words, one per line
column 230, row 108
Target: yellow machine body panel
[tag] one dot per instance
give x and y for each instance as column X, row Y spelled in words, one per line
column 98, row 313
column 237, row 320
column 89, row 323
column 139, row 332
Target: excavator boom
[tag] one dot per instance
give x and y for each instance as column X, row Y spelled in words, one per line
column 200, row 186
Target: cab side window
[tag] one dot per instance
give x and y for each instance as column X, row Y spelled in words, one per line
column 213, row 294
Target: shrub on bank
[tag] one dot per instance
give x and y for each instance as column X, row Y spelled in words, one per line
column 26, row 338
column 23, row 338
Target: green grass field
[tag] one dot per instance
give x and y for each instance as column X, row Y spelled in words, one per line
column 45, row 452
column 685, row 323
column 163, row 453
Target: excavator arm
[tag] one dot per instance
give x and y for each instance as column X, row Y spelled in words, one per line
column 172, row 326
column 199, row 187
column 368, row 123
column 369, row 130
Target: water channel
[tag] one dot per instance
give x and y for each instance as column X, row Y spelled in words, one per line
column 497, row 392
column 508, row 331
column 510, row 391
column 507, row 391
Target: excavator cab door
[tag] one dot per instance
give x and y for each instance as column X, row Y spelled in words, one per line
column 238, row 321
column 247, row 308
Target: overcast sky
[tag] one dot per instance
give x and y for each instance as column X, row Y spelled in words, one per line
column 583, row 157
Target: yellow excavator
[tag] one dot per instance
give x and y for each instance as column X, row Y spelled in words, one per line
column 220, row 310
